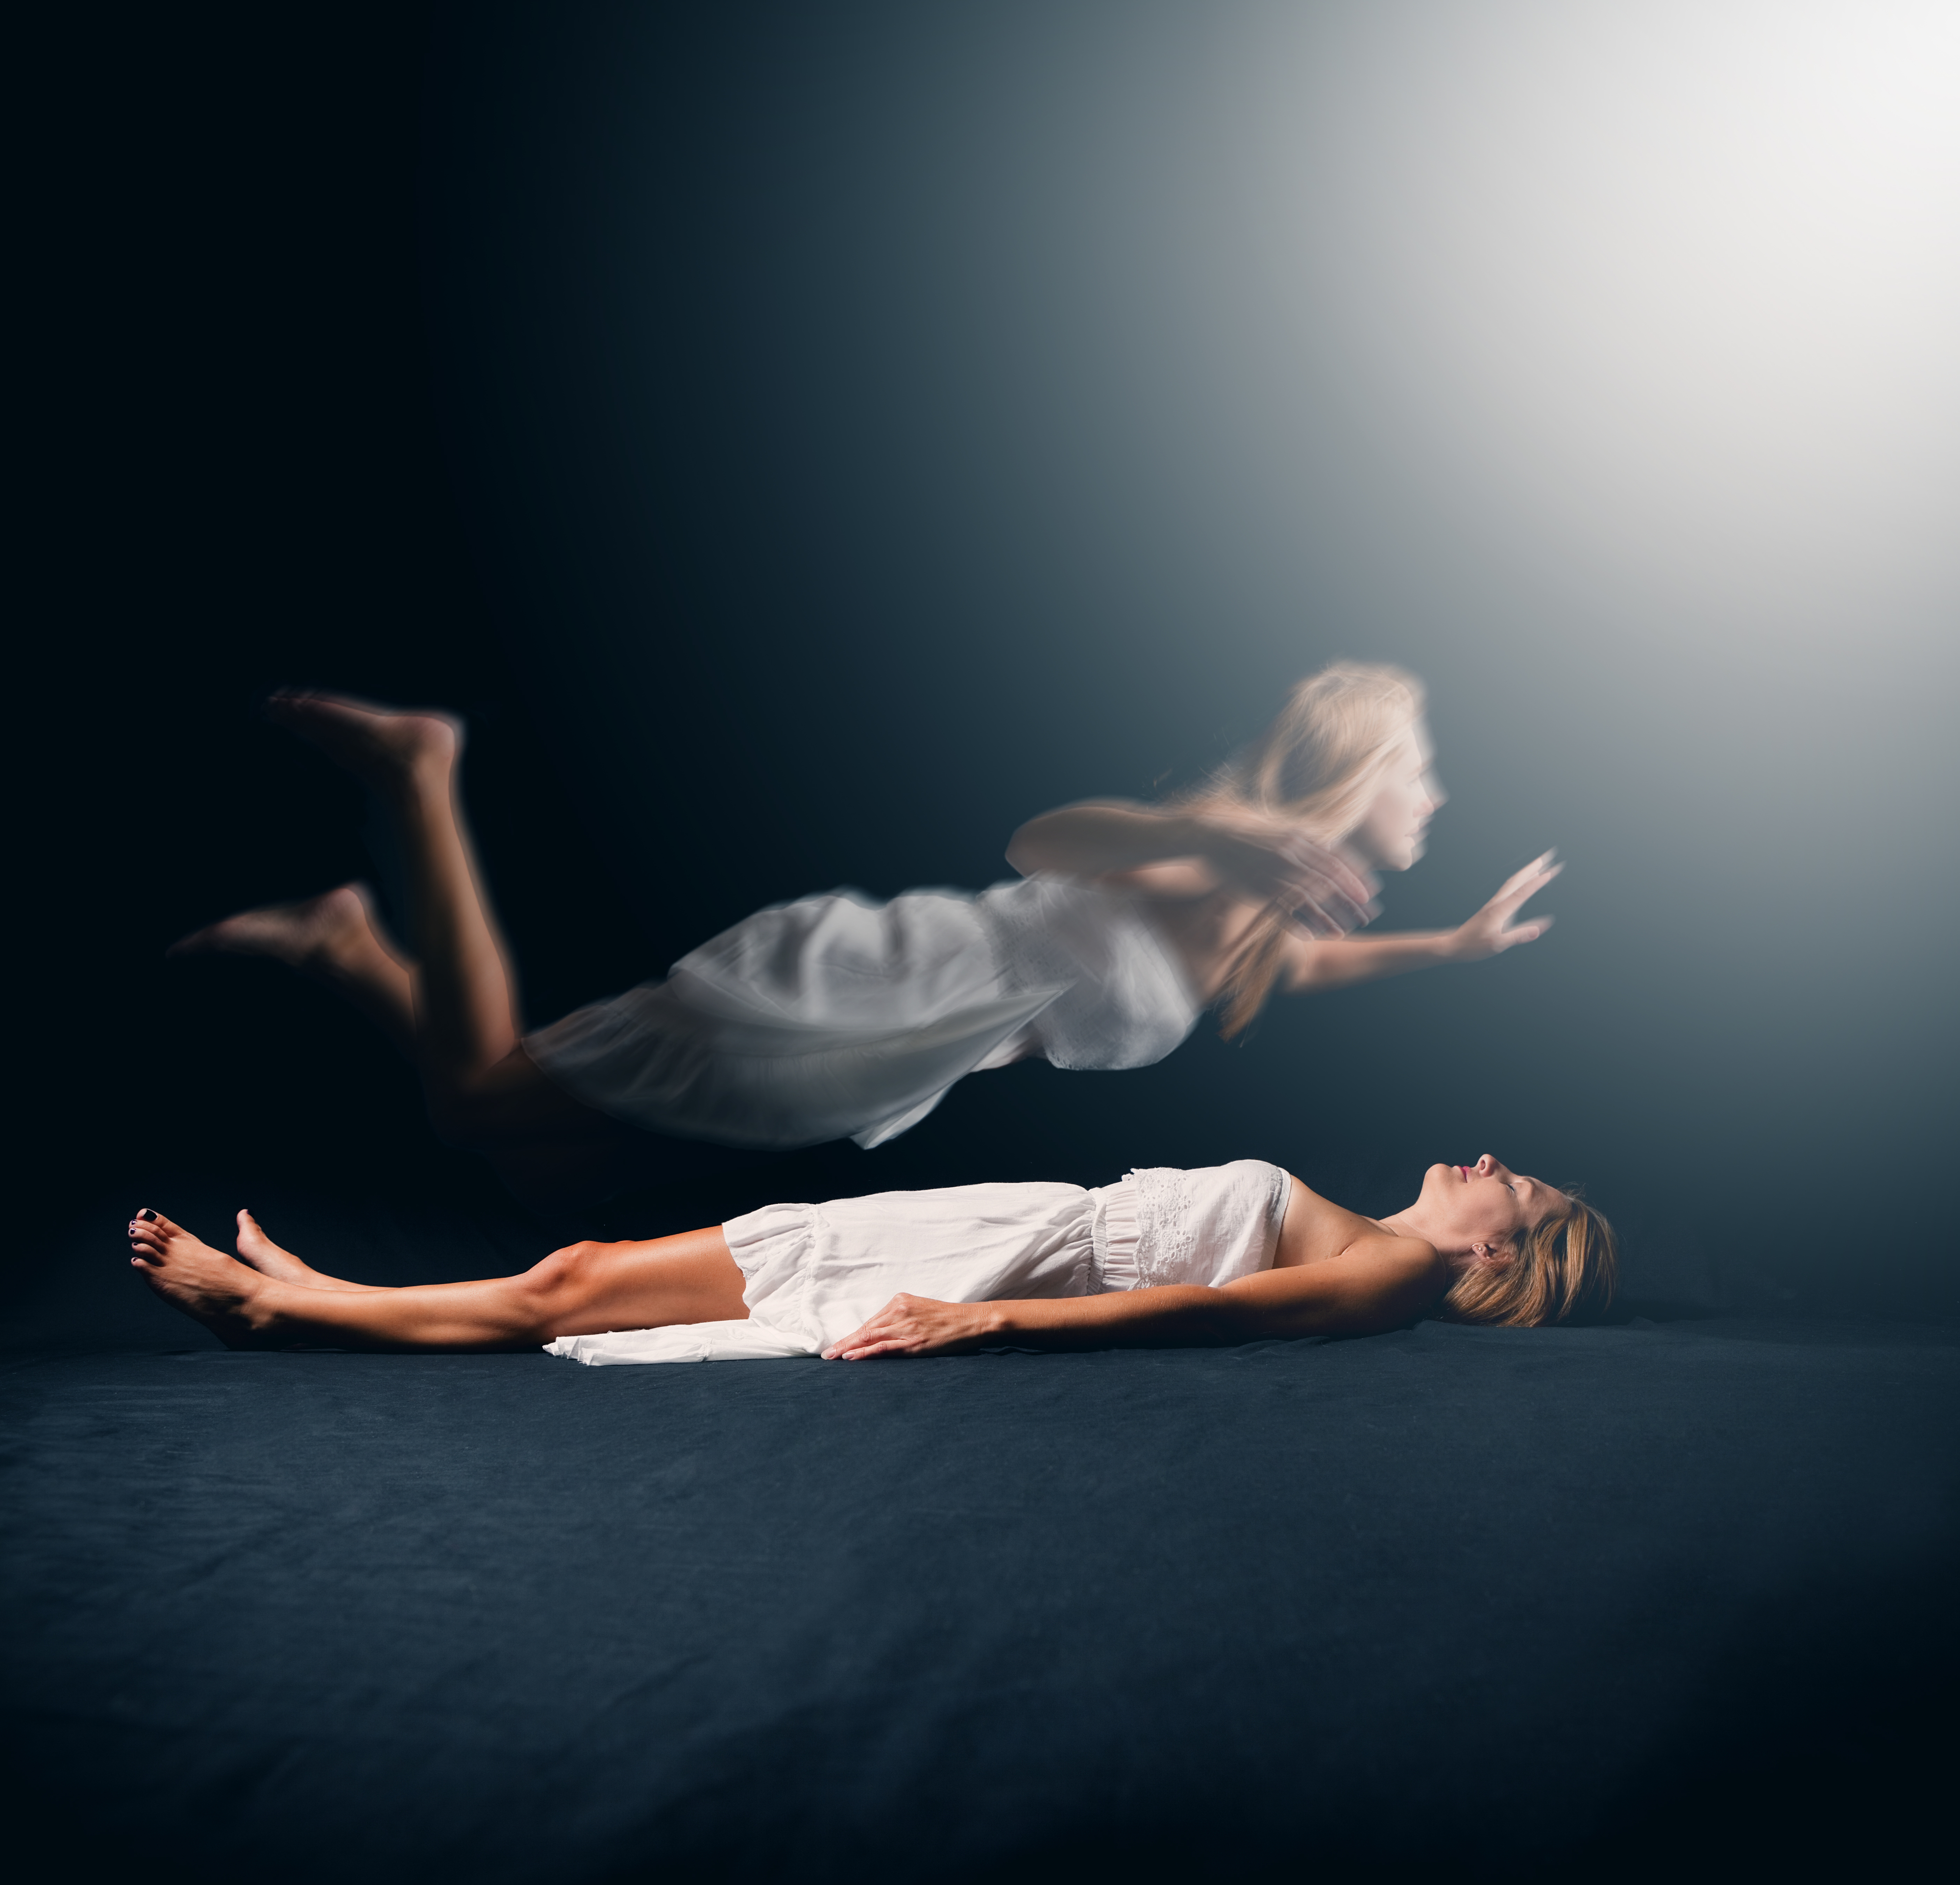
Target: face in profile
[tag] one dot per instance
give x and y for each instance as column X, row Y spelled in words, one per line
column 1395, row 832
column 1486, row 1203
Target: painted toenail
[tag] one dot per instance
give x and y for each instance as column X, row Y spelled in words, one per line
column 148, row 1217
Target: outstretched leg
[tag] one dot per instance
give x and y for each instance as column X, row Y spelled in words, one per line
column 585, row 1289
column 466, row 1000
column 451, row 1004
column 336, row 939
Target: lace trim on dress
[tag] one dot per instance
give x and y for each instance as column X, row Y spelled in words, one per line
column 1148, row 1230
column 1165, row 1235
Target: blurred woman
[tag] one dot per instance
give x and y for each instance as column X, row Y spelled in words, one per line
column 834, row 1017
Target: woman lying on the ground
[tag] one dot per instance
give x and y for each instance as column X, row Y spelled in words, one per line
column 1166, row 1258
column 833, row 1018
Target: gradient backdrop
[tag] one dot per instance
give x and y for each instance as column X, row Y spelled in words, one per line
column 811, row 438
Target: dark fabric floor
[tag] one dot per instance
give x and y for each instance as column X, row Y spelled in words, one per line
column 1445, row 1603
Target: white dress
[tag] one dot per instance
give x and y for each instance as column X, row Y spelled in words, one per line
column 816, row 1272
column 833, row 1017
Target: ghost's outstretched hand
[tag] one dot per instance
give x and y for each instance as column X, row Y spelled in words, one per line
column 1493, row 930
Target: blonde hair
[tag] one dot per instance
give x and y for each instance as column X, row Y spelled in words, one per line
column 1564, row 1269
column 1319, row 766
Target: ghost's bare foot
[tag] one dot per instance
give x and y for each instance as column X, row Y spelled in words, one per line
column 318, row 935
column 271, row 1259
column 386, row 748
column 209, row 1287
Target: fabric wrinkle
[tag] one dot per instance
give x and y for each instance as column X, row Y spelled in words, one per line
column 1116, row 1237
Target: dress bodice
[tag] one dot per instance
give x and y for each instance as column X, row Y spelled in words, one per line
column 1163, row 1225
column 1122, row 998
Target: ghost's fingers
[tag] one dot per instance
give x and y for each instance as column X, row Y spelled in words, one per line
column 1544, row 869
column 1514, row 894
column 1524, row 932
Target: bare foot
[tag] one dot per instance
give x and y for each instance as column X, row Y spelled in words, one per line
column 386, row 748
column 206, row 1285
column 270, row 1259
column 319, row 933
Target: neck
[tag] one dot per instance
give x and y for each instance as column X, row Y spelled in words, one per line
column 1411, row 1224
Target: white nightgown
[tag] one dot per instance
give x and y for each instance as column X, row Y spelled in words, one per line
column 816, row 1272
column 833, row 1017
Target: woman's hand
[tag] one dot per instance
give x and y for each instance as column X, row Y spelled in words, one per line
column 1491, row 931
column 916, row 1325
column 1268, row 861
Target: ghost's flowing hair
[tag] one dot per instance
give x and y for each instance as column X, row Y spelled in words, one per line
column 1318, row 766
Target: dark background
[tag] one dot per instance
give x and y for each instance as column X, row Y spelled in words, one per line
column 771, row 427
column 765, row 423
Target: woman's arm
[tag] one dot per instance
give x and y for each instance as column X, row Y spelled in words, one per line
column 1191, row 854
column 1103, row 835
column 1313, row 963
column 1378, row 1283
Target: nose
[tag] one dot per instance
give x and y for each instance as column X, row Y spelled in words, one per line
column 1489, row 1167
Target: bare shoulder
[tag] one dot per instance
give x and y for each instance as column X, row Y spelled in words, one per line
column 1316, row 1230
column 1336, row 1273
